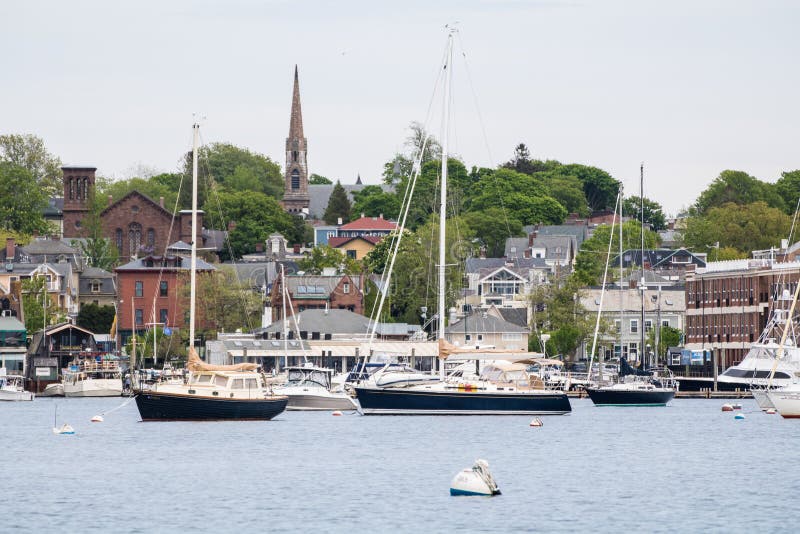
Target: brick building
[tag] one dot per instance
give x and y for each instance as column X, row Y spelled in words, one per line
column 728, row 304
column 147, row 291
column 136, row 224
column 309, row 292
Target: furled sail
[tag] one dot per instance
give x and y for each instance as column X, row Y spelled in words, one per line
column 194, row 363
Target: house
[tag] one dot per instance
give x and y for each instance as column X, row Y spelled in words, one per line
column 670, row 263
column 96, row 286
column 482, row 329
column 361, row 227
column 148, row 292
column 355, row 247
column 60, row 282
column 502, row 282
column 12, row 344
column 327, row 291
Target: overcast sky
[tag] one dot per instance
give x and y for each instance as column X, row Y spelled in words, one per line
column 688, row 87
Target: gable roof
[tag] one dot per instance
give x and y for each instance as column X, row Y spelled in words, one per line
column 658, row 257
column 336, row 242
column 519, row 246
column 476, row 265
column 369, row 223
column 329, row 322
column 143, row 197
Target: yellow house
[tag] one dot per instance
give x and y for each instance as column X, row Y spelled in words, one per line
column 355, row 247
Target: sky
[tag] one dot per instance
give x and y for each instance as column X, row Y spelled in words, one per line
column 690, row 88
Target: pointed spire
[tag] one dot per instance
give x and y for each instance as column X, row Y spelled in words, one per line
column 358, row 180
column 296, row 122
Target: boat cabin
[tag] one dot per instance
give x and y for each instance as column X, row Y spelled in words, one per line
column 309, row 376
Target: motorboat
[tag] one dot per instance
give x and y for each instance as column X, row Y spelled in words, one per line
column 210, row 392
column 93, row 378
column 309, row 388
column 12, row 388
column 56, row 389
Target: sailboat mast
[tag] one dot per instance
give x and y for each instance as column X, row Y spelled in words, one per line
column 285, row 319
column 448, row 65
column 621, row 289
column 642, row 351
column 193, row 274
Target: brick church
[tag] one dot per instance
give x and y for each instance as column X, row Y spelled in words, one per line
column 136, row 224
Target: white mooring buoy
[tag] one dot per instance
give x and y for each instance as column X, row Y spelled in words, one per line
column 536, row 422
column 475, row 481
column 336, row 413
column 771, row 411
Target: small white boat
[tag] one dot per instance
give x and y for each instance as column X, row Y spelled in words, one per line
column 55, row 389
column 91, row 378
column 309, row 388
column 12, row 388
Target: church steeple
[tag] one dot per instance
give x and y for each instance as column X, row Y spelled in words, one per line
column 295, row 196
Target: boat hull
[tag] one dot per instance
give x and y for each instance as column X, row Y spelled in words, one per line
column 786, row 403
column 311, row 402
column 156, row 406
column 610, row 397
column 402, row 401
column 15, row 395
column 94, row 388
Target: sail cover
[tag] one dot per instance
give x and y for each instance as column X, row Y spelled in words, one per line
column 194, row 363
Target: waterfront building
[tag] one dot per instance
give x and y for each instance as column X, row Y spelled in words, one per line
column 328, row 291
column 48, row 354
column 483, row 329
column 501, row 282
column 12, row 343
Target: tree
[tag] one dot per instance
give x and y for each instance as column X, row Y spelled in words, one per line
column 169, row 347
column 23, row 201
column 316, row 179
column 743, row 227
column 338, row 206
column 253, row 217
column 670, row 337
column 228, row 303
column 324, row 256
column 593, row 255
column 28, row 151
column 557, row 310
column 568, row 191
column 98, row 250
column 653, row 212
column 739, row 188
column 522, row 162
column 426, row 198
column 492, row 227
column 373, row 201
column 788, row 187
column 421, row 141
column 522, row 195
column 397, row 170
column 95, row 318
column 599, row 187
column 33, row 304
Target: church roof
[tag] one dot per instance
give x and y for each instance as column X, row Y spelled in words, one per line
column 296, row 121
column 140, row 195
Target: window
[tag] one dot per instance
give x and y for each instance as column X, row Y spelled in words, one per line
column 295, row 179
column 480, row 337
column 139, row 317
column 648, row 325
column 346, row 288
column 94, row 286
column 634, row 326
column 162, row 316
column 163, row 288
column 351, row 254
column 665, row 322
column 135, row 237
column 118, row 239
column 294, row 156
column 138, row 288
column 512, row 337
column 151, row 238
column 617, row 324
column 468, row 337
column 71, row 189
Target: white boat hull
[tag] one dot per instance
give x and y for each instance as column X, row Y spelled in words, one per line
column 53, row 390
column 102, row 387
column 787, row 403
column 316, row 401
column 6, row 395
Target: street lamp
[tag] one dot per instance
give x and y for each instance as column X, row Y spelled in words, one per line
column 545, row 338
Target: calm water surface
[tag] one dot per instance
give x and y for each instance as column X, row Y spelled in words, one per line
column 685, row 468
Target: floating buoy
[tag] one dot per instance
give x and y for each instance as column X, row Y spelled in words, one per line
column 727, row 407
column 475, row 481
column 336, row 413
column 536, row 422
column 771, row 411
column 737, row 406
column 97, row 419
column 739, row 416
column 64, row 429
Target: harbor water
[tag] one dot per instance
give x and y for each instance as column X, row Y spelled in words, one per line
column 688, row 467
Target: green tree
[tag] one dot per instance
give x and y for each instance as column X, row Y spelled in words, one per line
column 228, row 303
column 670, row 337
column 788, row 187
column 399, row 169
column 373, row 201
column 492, row 227
column 599, row 187
column 557, row 310
column 98, row 250
column 23, row 200
column 743, row 227
column 522, row 162
column 28, row 151
column 523, row 195
column 739, row 188
column 338, row 206
column 324, row 256
column 95, row 318
column 568, row 191
column 426, row 198
column 593, row 255
column 33, row 304
column 316, row 179
column 653, row 212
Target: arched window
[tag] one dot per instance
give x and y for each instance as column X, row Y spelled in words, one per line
column 118, row 239
column 295, row 179
column 151, row 238
column 135, row 237
column 85, row 188
column 77, row 188
column 71, row 188
column 294, row 156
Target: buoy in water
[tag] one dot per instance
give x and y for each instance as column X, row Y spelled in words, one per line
column 97, row 419
column 475, row 481
column 64, row 429
column 739, row 416
column 727, row 407
column 336, row 413
column 536, row 422
column 771, row 411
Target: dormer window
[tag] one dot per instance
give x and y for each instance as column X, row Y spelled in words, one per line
column 94, row 286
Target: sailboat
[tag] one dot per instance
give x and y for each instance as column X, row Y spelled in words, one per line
column 634, row 387
column 485, row 396
column 786, row 399
column 211, row 392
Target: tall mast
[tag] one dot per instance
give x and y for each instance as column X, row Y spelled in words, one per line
column 448, row 65
column 193, row 274
column 644, row 355
column 622, row 290
column 285, row 317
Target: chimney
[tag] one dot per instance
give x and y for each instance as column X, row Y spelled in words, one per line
column 161, row 202
column 339, row 221
column 11, row 249
column 362, row 215
column 110, row 200
column 259, row 245
column 483, row 252
column 380, row 216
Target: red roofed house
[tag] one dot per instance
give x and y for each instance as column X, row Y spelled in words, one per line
column 358, row 237
column 355, row 247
